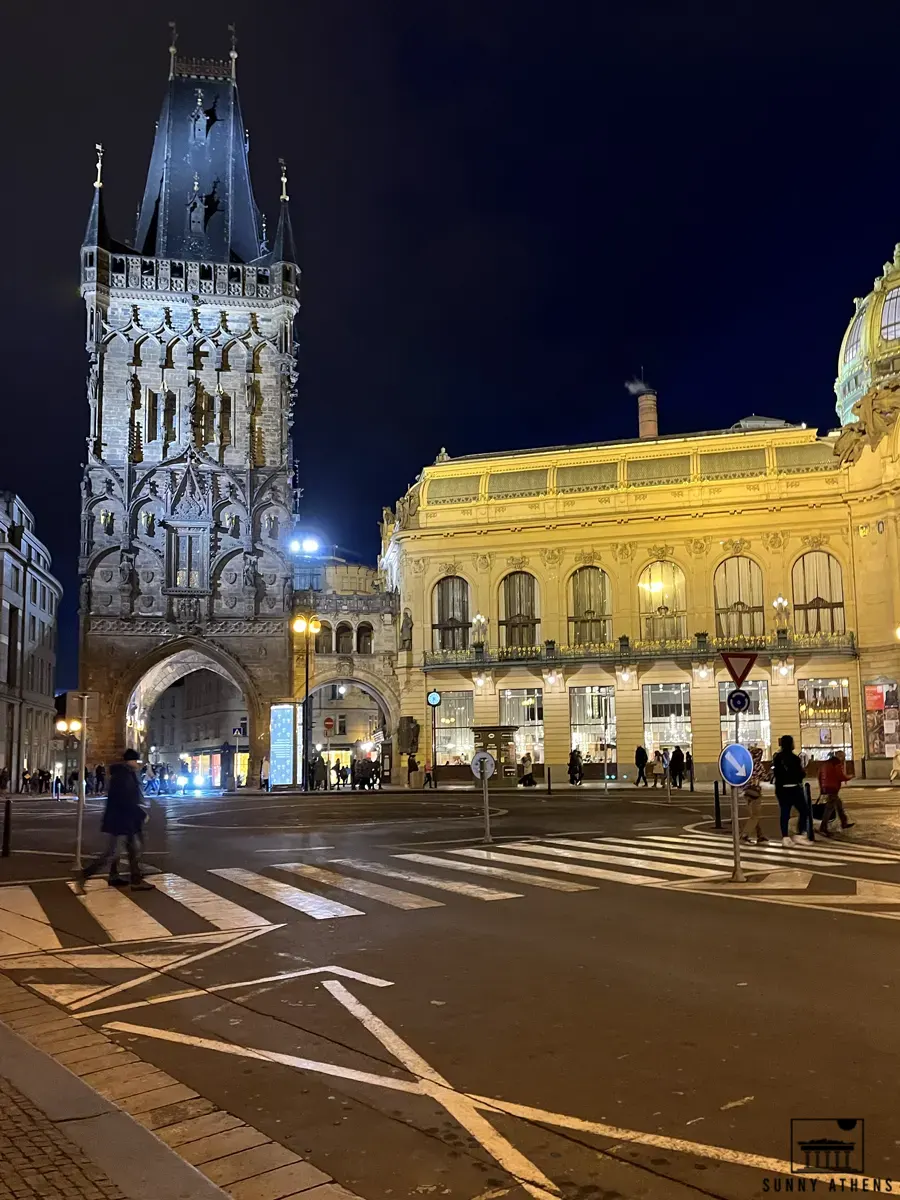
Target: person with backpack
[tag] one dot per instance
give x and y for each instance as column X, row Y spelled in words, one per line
column 832, row 774
column 788, row 773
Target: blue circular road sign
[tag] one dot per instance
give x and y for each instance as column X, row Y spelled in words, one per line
column 736, row 764
column 738, row 701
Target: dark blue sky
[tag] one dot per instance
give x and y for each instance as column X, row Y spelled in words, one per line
column 504, row 209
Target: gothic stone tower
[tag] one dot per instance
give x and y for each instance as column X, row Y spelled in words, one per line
column 186, row 496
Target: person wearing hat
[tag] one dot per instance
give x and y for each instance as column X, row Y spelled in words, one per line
column 123, row 817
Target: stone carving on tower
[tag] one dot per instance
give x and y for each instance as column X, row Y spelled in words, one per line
column 191, row 379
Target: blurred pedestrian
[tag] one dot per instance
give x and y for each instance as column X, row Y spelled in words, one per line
column 640, row 761
column 753, row 795
column 264, row 773
column 832, row 774
column 676, row 766
column 576, row 770
column 123, row 818
column 429, row 776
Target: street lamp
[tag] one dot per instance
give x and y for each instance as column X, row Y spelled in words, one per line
column 308, row 625
column 72, row 726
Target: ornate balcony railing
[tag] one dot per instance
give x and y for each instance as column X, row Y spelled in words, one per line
column 781, row 643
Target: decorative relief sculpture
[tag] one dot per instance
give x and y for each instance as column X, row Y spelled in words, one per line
column 815, row 541
column 876, row 414
column 449, row 568
column 657, row 553
column 517, row 562
column 735, row 545
column 623, row 552
column 585, row 558
column 698, row 547
column 551, row 557
column 483, row 562
column 775, row 541
column 417, row 566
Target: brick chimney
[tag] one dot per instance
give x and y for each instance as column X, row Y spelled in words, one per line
column 648, row 426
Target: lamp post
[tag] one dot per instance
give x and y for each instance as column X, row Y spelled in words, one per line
column 307, row 624
column 74, row 727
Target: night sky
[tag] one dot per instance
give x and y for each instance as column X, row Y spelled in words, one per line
column 504, row 209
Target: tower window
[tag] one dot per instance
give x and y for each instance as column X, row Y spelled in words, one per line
column 187, row 559
column 890, row 315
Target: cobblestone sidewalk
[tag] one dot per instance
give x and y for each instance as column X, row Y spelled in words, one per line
column 37, row 1160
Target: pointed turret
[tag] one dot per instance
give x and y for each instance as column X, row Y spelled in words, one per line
column 283, row 249
column 198, row 200
column 96, row 233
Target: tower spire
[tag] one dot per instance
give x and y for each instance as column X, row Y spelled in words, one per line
column 232, row 29
column 96, row 233
column 284, row 197
column 283, row 244
column 172, row 48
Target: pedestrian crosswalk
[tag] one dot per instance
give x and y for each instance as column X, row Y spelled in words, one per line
column 39, row 918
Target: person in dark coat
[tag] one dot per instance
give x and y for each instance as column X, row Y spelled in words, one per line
column 787, row 770
column 640, row 761
column 676, row 766
column 123, row 817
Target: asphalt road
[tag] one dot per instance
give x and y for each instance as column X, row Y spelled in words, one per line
column 651, row 1032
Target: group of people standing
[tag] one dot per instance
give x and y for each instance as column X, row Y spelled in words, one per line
column 663, row 765
column 789, row 776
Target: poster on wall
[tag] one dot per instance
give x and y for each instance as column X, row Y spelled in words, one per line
column 882, row 719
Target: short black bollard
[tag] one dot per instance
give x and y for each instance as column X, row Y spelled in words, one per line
column 549, row 788
column 692, row 774
column 810, row 829
column 7, row 827
column 717, row 803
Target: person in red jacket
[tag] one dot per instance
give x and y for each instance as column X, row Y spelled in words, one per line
column 832, row 774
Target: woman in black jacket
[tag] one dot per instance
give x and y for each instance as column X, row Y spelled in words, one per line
column 788, row 773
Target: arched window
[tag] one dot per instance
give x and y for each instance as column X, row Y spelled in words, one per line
column 589, row 607
column 738, row 591
column 519, row 616
column 344, row 638
column 325, row 639
column 450, row 614
column 364, row 635
column 818, row 588
column 661, row 602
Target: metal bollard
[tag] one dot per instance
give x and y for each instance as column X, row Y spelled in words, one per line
column 7, row 827
column 692, row 775
column 810, row 830
column 718, row 804
column 549, row 788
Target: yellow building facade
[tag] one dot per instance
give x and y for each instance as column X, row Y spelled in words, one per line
column 583, row 594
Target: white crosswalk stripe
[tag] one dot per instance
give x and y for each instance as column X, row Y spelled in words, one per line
column 473, row 890
column 219, row 912
column 595, row 855
column 362, row 887
column 868, row 854
column 273, row 889
column 556, row 885
column 118, row 914
column 500, row 856
column 24, row 926
column 714, row 855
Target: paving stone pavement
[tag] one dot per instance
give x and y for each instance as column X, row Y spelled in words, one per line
column 37, row 1160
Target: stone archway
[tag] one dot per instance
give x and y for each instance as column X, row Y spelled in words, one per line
column 141, row 685
column 383, row 690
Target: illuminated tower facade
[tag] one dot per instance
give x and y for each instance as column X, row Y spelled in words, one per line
column 187, row 487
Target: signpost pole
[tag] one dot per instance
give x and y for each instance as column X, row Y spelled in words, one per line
column 484, row 796
column 737, row 874
column 605, row 743
column 82, row 769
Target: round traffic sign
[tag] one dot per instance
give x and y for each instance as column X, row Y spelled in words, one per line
column 329, row 724
column 434, row 699
column 738, row 701
column 736, row 764
column 490, row 764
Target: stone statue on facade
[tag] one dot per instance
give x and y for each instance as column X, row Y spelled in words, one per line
column 408, row 736
column 250, row 574
column 406, row 631
column 876, row 414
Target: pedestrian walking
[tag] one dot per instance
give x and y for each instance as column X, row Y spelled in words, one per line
column 264, row 773
column 895, row 766
column 320, row 774
column 123, row 818
column 412, row 768
column 753, row 795
column 4, row 779
column 429, row 776
column 689, row 768
column 576, row 770
column 100, row 776
column 832, row 774
column 676, row 766
column 345, row 775
column 788, row 773
column 336, row 768
column 640, row 761
column 57, row 787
